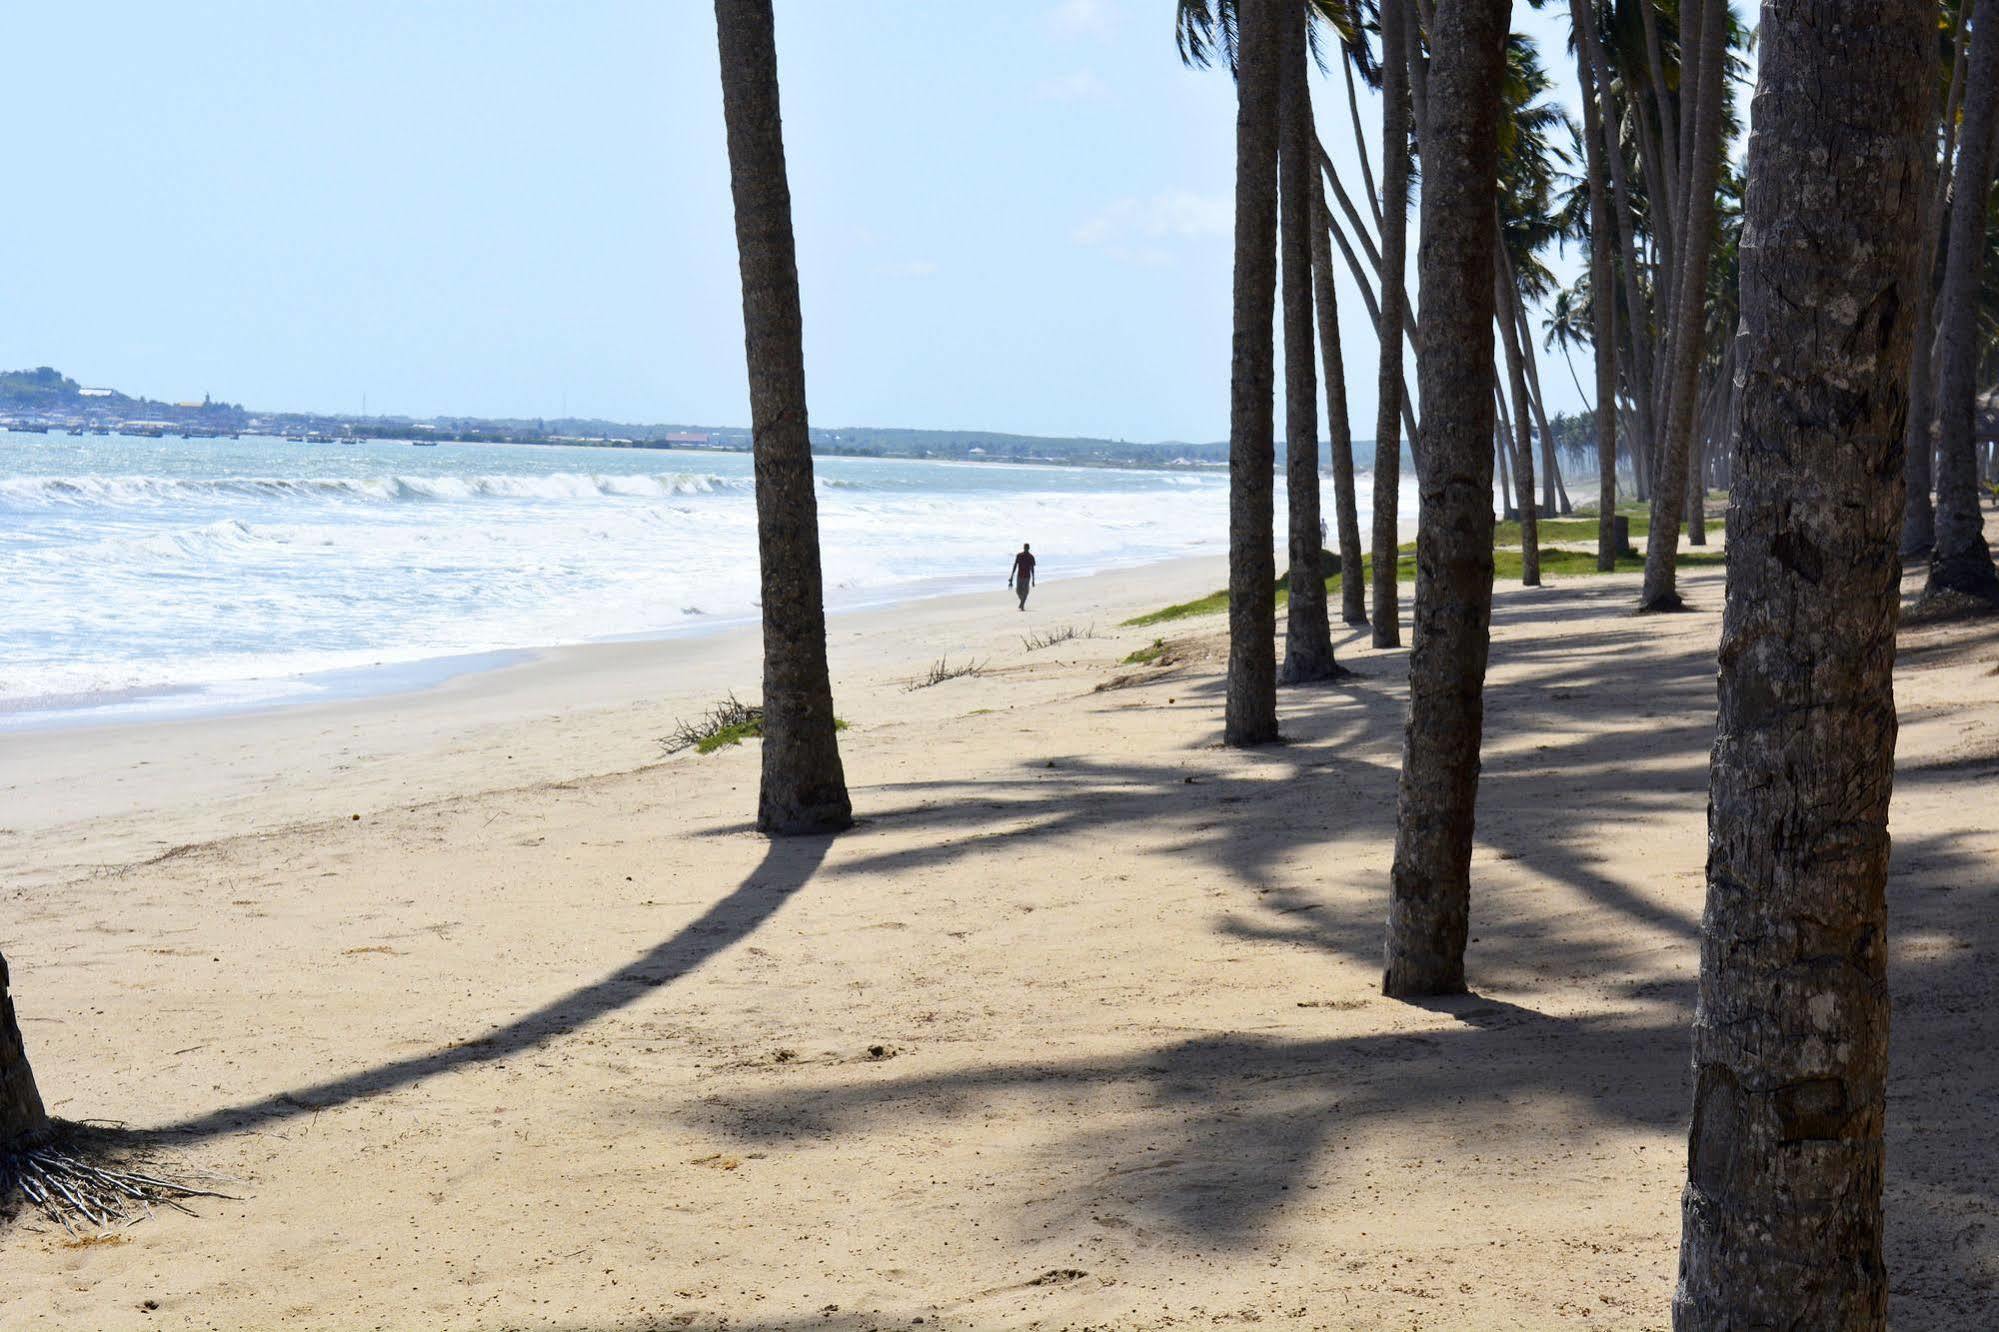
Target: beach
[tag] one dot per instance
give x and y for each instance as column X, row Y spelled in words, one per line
column 492, row 1014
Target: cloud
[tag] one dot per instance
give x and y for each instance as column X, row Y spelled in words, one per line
column 1136, row 230
column 1081, row 86
column 1080, row 18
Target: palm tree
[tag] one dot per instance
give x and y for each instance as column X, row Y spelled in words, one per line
column 1782, row 1209
column 23, row 1121
column 1250, row 711
column 1960, row 561
column 1353, row 588
column 1429, row 889
column 804, row 789
column 1693, row 230
column 1395, row 44
column 1603, row 315
column 1308, row 642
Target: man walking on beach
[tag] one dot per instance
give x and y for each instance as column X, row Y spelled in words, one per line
column 1022, row 576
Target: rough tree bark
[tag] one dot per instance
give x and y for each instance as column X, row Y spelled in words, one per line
column 1521, row 451
column 1429, row 886
column 1394, row 244
column 1669, row 493
column 23, row 1121
column 1250, row 715
column 804, row 789
column 1782, row 1209
column 1960, row 561
column 1308, row 640
column 1918, row 516
column 1602, row 302
column 1353, row 588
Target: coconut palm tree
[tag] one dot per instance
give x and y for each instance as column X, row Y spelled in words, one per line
column 1960, row 561
column 1353, row 588
column 1693, row 231
column 1397, row 24
column 1429, row 889
column 1250, row 709
column 23, row 1121
column 1602, row 312
column 1308, row 643
column 1791, row 1027
column 804, row 789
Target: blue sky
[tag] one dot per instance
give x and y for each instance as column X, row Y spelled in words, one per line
column 1010, row 216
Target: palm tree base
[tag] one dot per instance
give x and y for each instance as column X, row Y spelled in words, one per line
column 1665, row 603
column 63, row 1173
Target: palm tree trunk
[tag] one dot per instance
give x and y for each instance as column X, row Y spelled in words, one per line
column 1502, row 452
column 1360, row 145
column 1353, row 588
column 1637, row 335
column 1308, row 641
column 22, row 1119
column 1395, row 25
column 1522, row 442
column 1960, row 561
column 1429, row 886
column 804, row 789
column 1918, row 515
column 1662, row 542
column 1250, row 716
column 1554, row 496
column 1782, row 1209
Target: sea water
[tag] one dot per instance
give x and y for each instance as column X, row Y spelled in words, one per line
column 149, row 576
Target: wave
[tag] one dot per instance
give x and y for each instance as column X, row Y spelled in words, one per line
column 81, row 491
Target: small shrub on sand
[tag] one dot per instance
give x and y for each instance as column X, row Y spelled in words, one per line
column 1154, row 654
column 1034, row 642
column 943, row 670
column 729, row 722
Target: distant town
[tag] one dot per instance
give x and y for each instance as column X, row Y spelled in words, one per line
column 44, row 399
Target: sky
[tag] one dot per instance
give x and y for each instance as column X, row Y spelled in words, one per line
column 1010, row 217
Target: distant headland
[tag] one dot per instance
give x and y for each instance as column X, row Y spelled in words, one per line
column 45, row 399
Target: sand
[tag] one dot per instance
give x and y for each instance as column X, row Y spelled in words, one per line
column 502, row 1019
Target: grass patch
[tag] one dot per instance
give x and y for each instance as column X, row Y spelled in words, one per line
column 942, row 670
column 1155, row 654
column 1216, row 602
column 1034, row 642
column 1578, row 529
column 729, row 722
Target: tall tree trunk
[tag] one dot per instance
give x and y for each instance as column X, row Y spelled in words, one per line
column 1522, row 450
column 804, row 789
column 1782, row 1208
column 1960, row 561
column 1308, row 641
column 22, row 1119
column 1395, row 26
column 1662, row 542
column 1353, row 587
column 1918, row 515
column 1250, row 716
column 1429, row 886
column 1502, row 452
column 1603, row 301
column 1554, row 498
column 1638, row 336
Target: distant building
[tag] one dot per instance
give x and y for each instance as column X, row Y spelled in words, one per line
column 96, row 393
column 685, row 437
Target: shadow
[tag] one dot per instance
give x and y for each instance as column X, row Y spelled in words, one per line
column 787, row 866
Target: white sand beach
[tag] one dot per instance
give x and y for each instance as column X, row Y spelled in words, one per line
column 498, row 1017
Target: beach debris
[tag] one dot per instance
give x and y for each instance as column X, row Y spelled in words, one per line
column 61, row 1178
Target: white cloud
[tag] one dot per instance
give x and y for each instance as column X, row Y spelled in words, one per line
column 1134, row 229
column 1081, row 86
column 1080, row 18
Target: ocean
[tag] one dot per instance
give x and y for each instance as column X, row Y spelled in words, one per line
column 155, row 577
